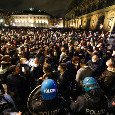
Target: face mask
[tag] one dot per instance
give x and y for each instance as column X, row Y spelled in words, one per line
column 113, row 53
column 107, row 63
column 76, row 64
column 27, row 62
column 93, row 60
column 35, row 65
column 43, row 71
column 58, row 69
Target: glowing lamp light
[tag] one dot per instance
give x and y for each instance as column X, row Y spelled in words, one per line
column 1, row 20
column 32, row 21
column 32, row 25
column 16, row 21
column 14, row 24
column 36, row 21
column 45, row 22
column 22, row 21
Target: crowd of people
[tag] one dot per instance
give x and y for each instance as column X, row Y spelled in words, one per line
column 79, row 67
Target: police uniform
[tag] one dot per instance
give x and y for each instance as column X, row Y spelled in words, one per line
column 87, row 105
column 56, row 106
column 43, row 100
column 93, row 102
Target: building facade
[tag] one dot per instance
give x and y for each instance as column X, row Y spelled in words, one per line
column 4, row 18
column 30, row 18
column 91, row 14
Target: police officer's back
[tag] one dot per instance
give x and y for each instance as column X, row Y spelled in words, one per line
column 49, row 104
column 93, row 102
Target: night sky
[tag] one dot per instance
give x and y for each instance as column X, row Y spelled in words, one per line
column 54, row 7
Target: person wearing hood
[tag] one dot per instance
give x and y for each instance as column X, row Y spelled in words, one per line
column 107, row 79
column 93, row 102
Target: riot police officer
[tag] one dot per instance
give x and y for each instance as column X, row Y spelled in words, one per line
column 46, row 102
column 93, row 102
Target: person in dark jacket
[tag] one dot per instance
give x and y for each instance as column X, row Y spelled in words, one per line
column 36, row 72
column 64, row 81
column 88, row 50
column 107, row 79
column 17, row 87
column 48, row 103
column 25, row 70
column 73, row 67
column 93, row 102
column 95, row 65
column 48, row 73
column 3, row 71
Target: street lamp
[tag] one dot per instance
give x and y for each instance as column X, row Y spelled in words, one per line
column 1, row 21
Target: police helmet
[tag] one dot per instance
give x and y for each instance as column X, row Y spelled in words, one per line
column 90, row 83
column 48, row 89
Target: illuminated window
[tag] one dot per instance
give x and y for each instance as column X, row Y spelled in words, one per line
column 22, row 21
column 36, row 21
column 32, row 25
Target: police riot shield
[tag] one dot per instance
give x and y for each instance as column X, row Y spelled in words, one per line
column 35, row 97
